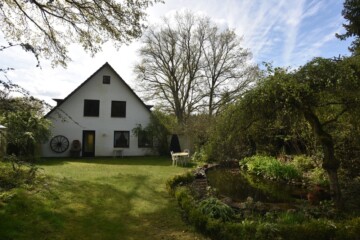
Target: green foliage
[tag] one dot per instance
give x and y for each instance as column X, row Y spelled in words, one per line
column 184, row 198
column 46, row 28
column 351, row 13
column 311, row 170
column 270, row 167
column 24, row 131
column 160, row 127
column 267, row 231
column 295, row 226
column 179, row 180
column 214, row 208
column 200, row 156
column 349, row 230
column 303, row 163
column 290, row 218
column 198, row 131
column 16, row 174
column 318, row 176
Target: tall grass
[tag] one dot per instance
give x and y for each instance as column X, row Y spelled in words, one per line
column 270, row 167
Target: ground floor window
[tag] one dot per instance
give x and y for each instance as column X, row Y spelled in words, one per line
column 121, row 139
column 145, row 139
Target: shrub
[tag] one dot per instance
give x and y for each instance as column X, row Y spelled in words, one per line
column 17, row 174
column 214, row 208
column 349, row 230
column 291, row 218
column 269, row 167
column 266, row 231
column 184, row 198
column 318, row 176
column 199, row 156
column 179, row 180
column 211, row 217
column 290, row 226
column 303, row 163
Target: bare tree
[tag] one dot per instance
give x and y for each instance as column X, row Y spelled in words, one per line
column 190, row 65
column 49, row 26
column 171, row 62
column 226, row 68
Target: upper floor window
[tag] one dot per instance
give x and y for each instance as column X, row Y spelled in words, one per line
column 91, row 108
column 118, row 109
column 106, row 79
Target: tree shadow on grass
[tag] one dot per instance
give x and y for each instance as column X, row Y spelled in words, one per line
column 74, row 210
column 67, row 209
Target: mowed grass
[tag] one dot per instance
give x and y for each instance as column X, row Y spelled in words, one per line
column 123, row 198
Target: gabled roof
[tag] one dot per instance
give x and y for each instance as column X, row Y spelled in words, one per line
column 61, row 101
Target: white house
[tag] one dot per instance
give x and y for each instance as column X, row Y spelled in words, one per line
column 100, row 114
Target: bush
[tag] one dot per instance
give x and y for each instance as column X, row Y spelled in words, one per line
column 269, row 167
column 179, row 180
column 16, row 174
column 200, row 156
column 216, row 220
column 214, row 208
column 303, row 163
column 266, row 231
column 294, row 227
column 349, row 230
column 318, row 176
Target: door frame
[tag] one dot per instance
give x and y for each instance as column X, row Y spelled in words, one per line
column 85, row 134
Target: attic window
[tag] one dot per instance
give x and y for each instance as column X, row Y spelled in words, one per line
column 106, row 79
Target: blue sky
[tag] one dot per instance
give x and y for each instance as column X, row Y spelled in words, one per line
column 284, row 32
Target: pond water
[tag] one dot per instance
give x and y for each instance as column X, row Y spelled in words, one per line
column 239, row 186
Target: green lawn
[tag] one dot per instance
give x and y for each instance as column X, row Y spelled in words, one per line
column 97, row 199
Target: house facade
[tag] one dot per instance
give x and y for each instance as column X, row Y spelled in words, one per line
column 97, row 119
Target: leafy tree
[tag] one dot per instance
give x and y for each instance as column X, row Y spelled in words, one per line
column 158, row 130
column 48, row 27
column 351, row 13
column 25, row 131
column 26, row 128
column 190, row 65
column 320, row 97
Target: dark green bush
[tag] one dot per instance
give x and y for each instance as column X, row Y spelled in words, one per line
column 303, row 163
column 214, row 208
column 12, row 177
column 349, row 230
column 179, row 180
column 266, row 231
column 291, row 226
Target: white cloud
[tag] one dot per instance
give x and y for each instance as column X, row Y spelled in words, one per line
column 282, row 31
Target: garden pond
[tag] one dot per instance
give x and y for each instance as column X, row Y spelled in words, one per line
column 239, row 185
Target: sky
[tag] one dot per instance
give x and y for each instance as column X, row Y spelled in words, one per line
column 287, row 33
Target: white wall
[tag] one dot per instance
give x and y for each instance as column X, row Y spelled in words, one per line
column 104, row 125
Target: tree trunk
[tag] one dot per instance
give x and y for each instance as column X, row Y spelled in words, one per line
column 335, row 188
column 211, row 95
column 330, row 162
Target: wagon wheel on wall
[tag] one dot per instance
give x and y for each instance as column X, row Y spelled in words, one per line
column 59, row 144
